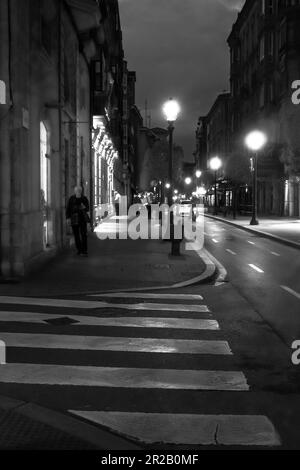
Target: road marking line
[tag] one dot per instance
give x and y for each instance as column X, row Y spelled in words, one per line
column 231, row 252
column 188, row 429
column 256, row 268
column 137, row 295
column 132, row 322
column 251, row 243
column 42, row 302
column 163, row 307
column 214, row 240
column 123, row 377
column 95, row 305
column 291, row 291
column 274, row 253
column 107, row 343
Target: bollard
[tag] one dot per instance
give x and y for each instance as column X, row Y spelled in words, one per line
column 2, row 353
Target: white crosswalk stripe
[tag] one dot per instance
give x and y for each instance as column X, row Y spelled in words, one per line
column 133, row 322
column 147, row 427
column 98, row 305
column 123, row 377
column 139, row 295
column 113, row 343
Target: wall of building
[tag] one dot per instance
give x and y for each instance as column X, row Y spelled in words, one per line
column 265, row 46
column 153, row 164
column 45, row 129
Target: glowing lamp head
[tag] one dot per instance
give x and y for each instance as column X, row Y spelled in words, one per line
column 215, row 163
column 188, row 180
column 198, row 173
column 168, row 186
column 171, row 109
column 255, row 140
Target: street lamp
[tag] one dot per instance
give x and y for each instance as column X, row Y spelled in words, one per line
column 198, row 175
column 188, row 180
column 215, row 164
column 255, row 141
column 171, row 109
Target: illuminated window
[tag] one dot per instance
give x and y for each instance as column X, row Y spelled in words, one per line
column 44, row 184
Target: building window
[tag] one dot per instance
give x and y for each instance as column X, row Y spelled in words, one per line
column 272, row 44
column 282, row 35
column 262, row 96
column 262, row 48
column 66, row 81
column 46, row 36
column 271, row 92
column 98, row 75
column 271, row 7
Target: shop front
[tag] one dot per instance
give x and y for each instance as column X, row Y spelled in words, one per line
column 105, row 157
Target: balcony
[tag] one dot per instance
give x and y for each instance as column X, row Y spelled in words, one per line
column 86, row 14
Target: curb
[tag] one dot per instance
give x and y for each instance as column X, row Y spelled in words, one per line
column 284, row 241
column 222, row 276
column 75, row 427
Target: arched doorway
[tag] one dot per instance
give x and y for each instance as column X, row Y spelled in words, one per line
column 45, row 184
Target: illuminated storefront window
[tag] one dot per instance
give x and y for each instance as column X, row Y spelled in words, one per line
column 105, row 156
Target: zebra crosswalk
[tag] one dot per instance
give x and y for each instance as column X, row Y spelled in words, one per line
column 161, row 347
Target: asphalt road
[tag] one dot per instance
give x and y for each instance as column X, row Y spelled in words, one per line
column 184, row 372
column 264, row 272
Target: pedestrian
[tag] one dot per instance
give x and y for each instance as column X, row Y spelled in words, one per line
column 77, row 214
column 117, row 197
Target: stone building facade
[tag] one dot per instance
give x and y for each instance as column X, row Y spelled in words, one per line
column 50, row 120
column 153, row 159
column 265, row 61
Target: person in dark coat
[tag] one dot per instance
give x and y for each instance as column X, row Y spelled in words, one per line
column 77, row 215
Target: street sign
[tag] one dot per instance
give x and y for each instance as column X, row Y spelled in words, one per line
column 2, row 92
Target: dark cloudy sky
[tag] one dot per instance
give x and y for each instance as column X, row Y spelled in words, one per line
column 178, row 48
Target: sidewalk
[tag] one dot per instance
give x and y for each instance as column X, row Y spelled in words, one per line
column 26, row 426
column 111, row 264
column 282, row 229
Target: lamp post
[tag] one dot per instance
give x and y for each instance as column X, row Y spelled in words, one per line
column 198, row 176
column 215, row 164
column 255, row 141
column 171, row 110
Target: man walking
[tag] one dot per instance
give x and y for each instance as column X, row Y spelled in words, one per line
column 77, row 215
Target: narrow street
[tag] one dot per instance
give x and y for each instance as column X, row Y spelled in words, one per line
column 264, row 272
column 145, row 365
column 149, row 229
